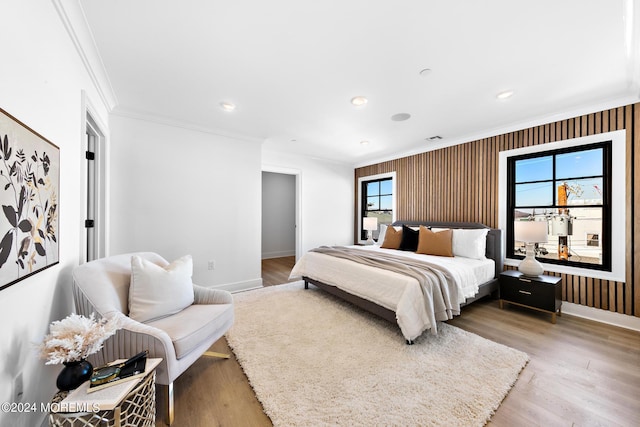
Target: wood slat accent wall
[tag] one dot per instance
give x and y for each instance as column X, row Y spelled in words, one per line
column 460, row 183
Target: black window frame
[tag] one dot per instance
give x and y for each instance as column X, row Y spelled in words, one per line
column 364, row 201
column 606, row 234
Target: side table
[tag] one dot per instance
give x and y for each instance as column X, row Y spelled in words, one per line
column 542, row 293
column 130, row 403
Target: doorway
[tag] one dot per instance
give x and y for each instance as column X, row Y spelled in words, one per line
column 280, row 240
column 94, row 210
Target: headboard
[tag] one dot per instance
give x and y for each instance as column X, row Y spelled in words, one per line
column 494, row 237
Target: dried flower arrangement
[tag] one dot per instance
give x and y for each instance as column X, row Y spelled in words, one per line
column 74, row 338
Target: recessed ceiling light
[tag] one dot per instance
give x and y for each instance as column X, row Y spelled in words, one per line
column 227, row 106
column 425, row 72
column 364, row 142
column 359, row 101
column 400, row 117
column 505, row 94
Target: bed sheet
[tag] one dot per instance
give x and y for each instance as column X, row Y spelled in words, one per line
column 394, row 291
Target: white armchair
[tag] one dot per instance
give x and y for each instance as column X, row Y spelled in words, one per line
column 102, row 286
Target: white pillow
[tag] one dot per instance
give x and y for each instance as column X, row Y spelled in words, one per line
column 381, row 234
column 470, row 243
column 158, row 292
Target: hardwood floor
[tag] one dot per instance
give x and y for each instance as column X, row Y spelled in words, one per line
column 275, row 271
column 580, row 373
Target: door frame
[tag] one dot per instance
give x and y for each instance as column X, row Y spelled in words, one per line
column 298, row 195
column 91, row 123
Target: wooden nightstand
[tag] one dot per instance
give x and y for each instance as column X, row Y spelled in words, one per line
column 542, row 293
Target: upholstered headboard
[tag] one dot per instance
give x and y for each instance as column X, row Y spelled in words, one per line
column 494, row 237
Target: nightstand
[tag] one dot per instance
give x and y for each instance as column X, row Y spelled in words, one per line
column 542, row 293
column 129, row 403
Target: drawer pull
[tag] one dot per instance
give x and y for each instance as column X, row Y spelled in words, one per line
column 525, row 292
column 524, row 280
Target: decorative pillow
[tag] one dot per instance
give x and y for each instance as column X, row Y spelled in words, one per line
column 409, row 239
column 435, row 243
column 470, row 243
column 383, row 231
column 159, row 291
column 437, row 229
column 392, row 238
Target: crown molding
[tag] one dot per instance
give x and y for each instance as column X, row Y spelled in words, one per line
column 154, row 118
column 74, row 21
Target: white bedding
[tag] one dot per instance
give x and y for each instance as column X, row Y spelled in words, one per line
column 399, row 293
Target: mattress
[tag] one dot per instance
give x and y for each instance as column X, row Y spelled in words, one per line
column 394, row 291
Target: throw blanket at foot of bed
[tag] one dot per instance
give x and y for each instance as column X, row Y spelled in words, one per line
column 441, row 293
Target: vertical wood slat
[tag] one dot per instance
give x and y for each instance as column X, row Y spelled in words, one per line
column 460, row 183
column 635, row 185
column 627, row 299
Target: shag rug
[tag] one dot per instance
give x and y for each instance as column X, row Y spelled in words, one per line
column 314, row 360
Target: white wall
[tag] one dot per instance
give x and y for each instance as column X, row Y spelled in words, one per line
column 278, row 215
column 326, row 191
column 177, row 191
column 41, row 80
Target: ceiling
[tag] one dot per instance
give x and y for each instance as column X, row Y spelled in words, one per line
column 291, row 67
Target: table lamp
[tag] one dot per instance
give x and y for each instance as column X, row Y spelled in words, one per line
column 370, row 224
column 530, row 233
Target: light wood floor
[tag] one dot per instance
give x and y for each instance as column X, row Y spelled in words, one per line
column 275, row 271
column 580, row 373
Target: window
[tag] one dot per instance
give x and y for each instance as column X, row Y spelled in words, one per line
column 376, row 199
column 570, row 188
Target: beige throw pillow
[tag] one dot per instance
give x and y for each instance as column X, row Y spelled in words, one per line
column 392, row 238
column 159, row 291
column 431, row 243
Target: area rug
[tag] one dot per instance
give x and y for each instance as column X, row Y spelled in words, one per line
column 314, row 360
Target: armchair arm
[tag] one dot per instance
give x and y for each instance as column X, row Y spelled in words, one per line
column 203, row 295
column 134, row 337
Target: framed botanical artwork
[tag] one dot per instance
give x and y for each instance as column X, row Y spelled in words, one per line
column 29, row 189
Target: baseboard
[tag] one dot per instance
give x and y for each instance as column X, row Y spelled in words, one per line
column 602, row 316
column 278, row 254
column 240, row 286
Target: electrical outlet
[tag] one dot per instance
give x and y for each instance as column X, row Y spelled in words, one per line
column 212, row 265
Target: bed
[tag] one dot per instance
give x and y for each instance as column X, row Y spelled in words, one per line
column 361, row 275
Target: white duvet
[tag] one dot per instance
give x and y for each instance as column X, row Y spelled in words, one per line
column 399, row 293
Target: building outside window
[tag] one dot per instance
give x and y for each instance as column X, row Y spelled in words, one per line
column 570, row 188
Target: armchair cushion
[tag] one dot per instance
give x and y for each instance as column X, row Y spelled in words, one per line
column 194, row 325
column 158, row 291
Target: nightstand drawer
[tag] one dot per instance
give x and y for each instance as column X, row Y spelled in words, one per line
column 524, row 291
column 541, row 292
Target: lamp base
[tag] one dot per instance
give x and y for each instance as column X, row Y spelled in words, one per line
column 530, row 266
column 369, row 240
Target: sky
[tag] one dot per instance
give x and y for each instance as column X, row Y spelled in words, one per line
column 571, row 168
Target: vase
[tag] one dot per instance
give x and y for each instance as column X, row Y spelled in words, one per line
column 73, row 374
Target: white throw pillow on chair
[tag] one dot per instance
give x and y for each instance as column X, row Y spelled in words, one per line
column 157, row 291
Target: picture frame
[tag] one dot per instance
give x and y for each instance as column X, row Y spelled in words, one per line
column 29, row 194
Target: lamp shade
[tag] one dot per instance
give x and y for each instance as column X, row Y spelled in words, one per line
column 530, row 231
column 370, row 223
